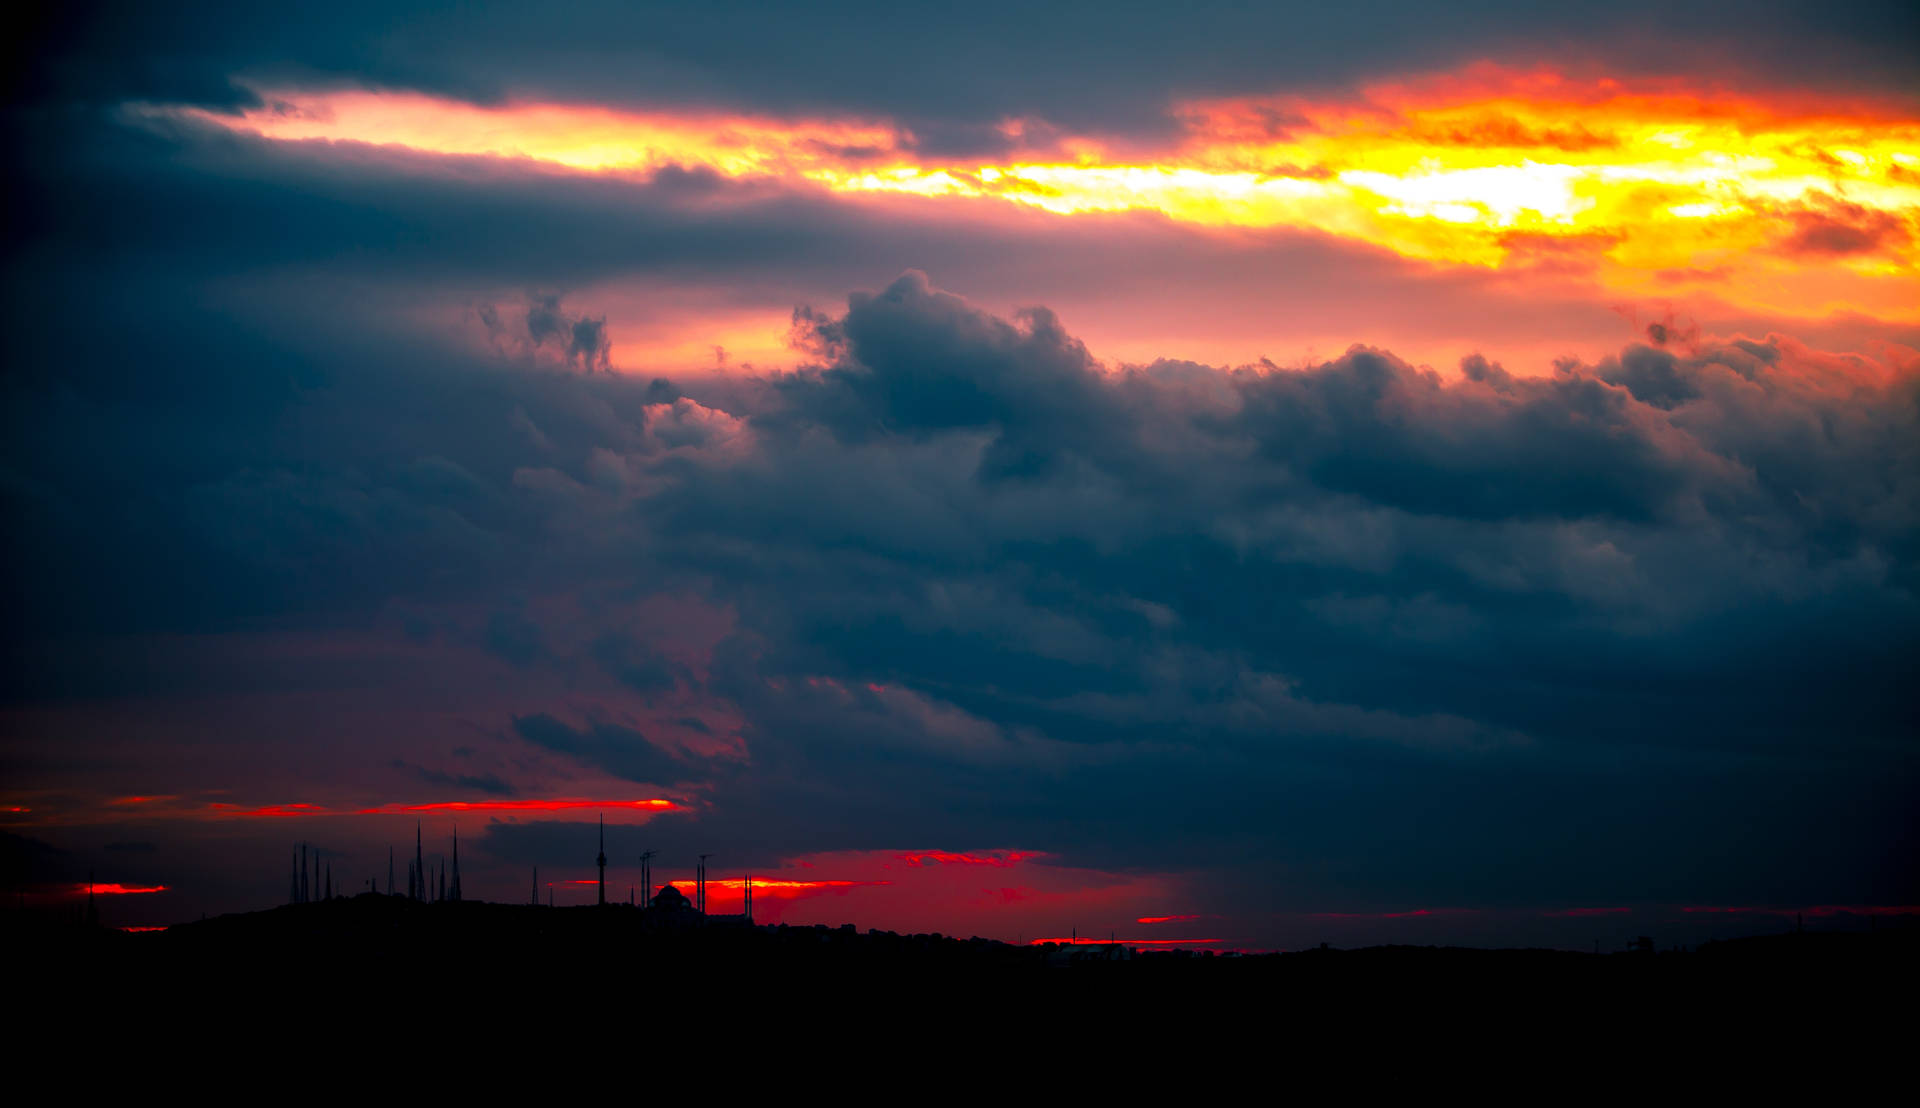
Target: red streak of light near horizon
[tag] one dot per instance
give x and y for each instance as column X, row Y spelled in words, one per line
column 1166, row 919
column 652, row 805
column 284, row 811
column 1120, row 942
column 946, row 858
column 271, row 811
column 160, row 928
column 776, row 887
column 117, row 889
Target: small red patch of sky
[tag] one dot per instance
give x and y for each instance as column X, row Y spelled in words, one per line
column 1000, row 894
column 102, row 888
column 1167, row 919
column 270, row 811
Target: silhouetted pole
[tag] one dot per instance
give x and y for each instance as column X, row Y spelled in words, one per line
column 303, row 873
column 601, row 861
column 390, row 889
column 535, row 901
column 456, row 864
column 419, row 860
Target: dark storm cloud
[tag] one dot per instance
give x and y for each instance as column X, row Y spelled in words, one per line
column 950, row 72
column 1384, row 632
column 489, row 784
column 618, row 749
column 987, row 593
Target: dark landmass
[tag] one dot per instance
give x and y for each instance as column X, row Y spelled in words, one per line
column 506, row 988
column 372, row 931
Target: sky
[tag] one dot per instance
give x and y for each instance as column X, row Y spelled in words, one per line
column 1235, row 475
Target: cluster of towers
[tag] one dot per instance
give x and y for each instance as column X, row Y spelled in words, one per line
column 649, row 895
column 309, row 882
column 438, row 881
column 428, row 883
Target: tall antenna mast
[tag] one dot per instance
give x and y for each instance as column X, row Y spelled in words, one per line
column 602, row 860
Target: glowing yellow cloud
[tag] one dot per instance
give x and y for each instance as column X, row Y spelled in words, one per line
column 1648, row 191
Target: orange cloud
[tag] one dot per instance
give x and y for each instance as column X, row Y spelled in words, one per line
column 1773, row 202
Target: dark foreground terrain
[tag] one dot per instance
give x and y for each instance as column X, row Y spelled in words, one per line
column 513, row 983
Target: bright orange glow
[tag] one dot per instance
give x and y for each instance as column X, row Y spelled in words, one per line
column 571, row 135
column 1648, row 189
column 1166, row 919
column 117, row 890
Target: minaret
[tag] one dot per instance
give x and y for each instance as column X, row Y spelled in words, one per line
column 602, row 860
column 441, row 866
column 390, row 887
column 536, row 888
column 419, row 860
column 329, row 895
column 456, row 864
column 303, row 873
column 293, row 879
column 749, row 908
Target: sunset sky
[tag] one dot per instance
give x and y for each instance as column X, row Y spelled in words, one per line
column 1239, row 475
